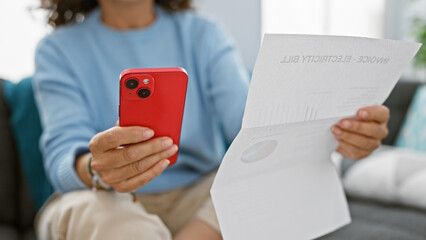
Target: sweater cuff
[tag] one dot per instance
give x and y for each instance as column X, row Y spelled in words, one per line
column 66, row 172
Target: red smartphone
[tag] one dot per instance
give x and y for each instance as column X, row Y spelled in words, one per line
column 154, row 98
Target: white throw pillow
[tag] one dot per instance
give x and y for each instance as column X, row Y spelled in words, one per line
column 393, row 176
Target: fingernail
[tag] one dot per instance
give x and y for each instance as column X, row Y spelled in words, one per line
column 167, row 142
column 165, row 163
column 148, row 133
column 336, row 130
column 346, row 124
column 363, row 114
column 172, row 150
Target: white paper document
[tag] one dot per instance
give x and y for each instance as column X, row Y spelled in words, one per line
column 276, row 180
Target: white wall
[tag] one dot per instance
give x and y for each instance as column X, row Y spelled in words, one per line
column 335, row 17
column 363, row 18
column 399, row 25
column 242, row 18
column 293, row 16
column 20, row 30
column 399, row 17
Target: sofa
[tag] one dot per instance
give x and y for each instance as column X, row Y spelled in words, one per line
column 17, row 210
column 370, row 219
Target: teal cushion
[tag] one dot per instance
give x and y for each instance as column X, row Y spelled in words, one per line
column 26, row 127
column 413, row 131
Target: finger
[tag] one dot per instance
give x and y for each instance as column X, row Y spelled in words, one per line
column 135, row 168
column 357, row 140
column 130, row 153
column 350, row 151
column 378, row 114
column 342, row 151
column 118, row 136
column 142, row 179
column 369, row 129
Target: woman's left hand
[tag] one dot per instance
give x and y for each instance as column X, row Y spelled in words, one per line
column 359, row 137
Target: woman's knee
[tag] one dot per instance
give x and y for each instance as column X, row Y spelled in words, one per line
column 102, row 215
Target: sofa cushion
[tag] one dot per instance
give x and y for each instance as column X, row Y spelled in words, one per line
column 8, row 232
column 395, row 176
column 26, row 128
column 372, row 221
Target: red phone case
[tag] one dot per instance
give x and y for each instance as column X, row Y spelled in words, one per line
column 162, row 108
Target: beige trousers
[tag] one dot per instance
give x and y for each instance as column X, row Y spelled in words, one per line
column 108, row 215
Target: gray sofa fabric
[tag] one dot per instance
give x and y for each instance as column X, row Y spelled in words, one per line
column 398, row 103
column 8, row 232
column 376, row 221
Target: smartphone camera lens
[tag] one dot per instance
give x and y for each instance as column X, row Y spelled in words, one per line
column 144, row 93
column 132, row 83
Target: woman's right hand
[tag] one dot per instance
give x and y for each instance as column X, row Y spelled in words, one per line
column 127, row 158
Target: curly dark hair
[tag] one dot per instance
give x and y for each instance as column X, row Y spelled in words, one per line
column 65, row 12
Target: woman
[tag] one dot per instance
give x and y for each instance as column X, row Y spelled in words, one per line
column 76, row 87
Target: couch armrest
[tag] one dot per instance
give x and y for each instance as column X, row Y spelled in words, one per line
column 8, row 167
column 398, row 102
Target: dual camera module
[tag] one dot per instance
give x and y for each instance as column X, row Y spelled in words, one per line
column 143, row 92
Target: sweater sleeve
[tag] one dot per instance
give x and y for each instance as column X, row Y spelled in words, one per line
column 66, row 119
column 228, row 79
